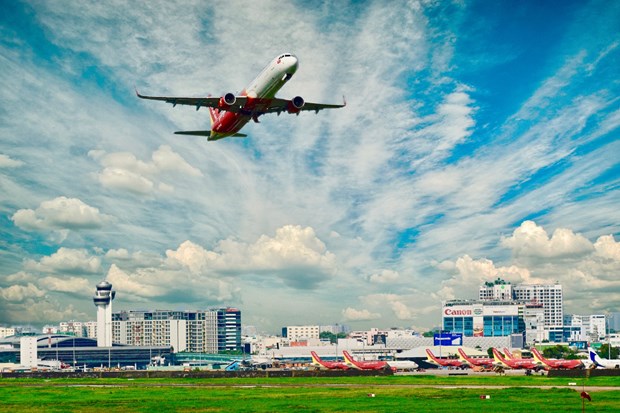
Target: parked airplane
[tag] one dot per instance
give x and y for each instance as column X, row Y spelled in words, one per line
column 317, row 361
column 515, row 363
column 485, row 362
column 509, row 356
column 402, row 364
column 443, row 362
column 230, row 113
column 603, row 363
column 556, row 363
column 364, row 365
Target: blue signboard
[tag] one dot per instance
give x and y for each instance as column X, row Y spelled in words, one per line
column 448, row 339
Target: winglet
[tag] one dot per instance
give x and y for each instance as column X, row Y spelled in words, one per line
column 344, row 101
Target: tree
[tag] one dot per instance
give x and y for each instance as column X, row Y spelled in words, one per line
column 604, row 352
column 559, row 352
column 333, row 338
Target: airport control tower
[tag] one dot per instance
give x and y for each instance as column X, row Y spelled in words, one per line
column 103, row 300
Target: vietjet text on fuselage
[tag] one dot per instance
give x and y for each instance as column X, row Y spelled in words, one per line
column 230, row 113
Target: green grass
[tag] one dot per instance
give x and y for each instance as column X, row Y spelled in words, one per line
column 392, row 394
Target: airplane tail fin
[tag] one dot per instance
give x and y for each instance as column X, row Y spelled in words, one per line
column 315, row 358
column 497, row 357
column 537, row 355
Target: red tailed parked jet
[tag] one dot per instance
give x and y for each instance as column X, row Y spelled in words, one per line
column 485, row 362
column 444, row 362
column 556, row 363
column 364, row 365
column 331, row 365
column 515, row 363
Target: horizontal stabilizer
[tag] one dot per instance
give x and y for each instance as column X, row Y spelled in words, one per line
column 209, row 136
column 194, row 132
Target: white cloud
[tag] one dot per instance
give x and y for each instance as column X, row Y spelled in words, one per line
column 67, row 260
column 395, row 302
column 18, row 293
column 74, row 285
column 294, row 254
column 351, row 314
column 122, row 170
column 531, row 240
column 385, row 276
column 60, row 213
column 606, row 247
column 7, row 162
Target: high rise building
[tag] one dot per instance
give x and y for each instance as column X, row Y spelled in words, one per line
column 103, row 300
column 202, row 331
column 548, row 295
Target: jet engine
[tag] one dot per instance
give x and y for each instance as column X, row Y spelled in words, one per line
column 295, row 104
column 227, row 100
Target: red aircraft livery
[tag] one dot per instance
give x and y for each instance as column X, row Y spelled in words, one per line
column 476, row 361
column 444, row 362
column 515, row 363
column 230, row 113
column 556, row 363
column 364, row 365
column 331, row 365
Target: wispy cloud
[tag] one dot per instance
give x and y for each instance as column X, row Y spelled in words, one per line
column 415, row 183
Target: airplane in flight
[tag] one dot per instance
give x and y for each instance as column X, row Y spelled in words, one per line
column 364, row 365
column 556, row 363
column 331, row 365
column 515, row 363
column 443, row 362
column 484, row 362
column 601, row 362
column 229, row 113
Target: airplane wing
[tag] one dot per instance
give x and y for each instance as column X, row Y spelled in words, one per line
column 277, row 105
column 199, row 102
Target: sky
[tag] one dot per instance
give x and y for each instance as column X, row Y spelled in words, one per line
column 480, row 141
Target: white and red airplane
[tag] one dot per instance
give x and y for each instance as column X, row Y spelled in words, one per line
column 485, row 362
column 364, row 365
column 230, row 113
column 331, row 365
column 443, row 362
column 556, row 363
column 515, row 363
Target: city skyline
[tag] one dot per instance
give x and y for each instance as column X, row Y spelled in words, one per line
column 479, row 141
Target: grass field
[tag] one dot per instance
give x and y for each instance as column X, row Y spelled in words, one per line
column 391, row 394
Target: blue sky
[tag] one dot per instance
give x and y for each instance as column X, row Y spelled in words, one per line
column 480, row 140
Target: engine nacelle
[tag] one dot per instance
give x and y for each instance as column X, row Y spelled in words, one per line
column 295, row 104
column 227, row 100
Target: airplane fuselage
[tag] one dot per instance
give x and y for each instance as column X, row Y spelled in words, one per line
column 259, row 92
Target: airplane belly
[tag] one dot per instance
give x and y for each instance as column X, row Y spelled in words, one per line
column 229, row 123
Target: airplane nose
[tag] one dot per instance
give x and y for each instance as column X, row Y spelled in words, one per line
column 294, row 63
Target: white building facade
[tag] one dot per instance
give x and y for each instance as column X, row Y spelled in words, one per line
column 298, row 333
column 201, row 331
